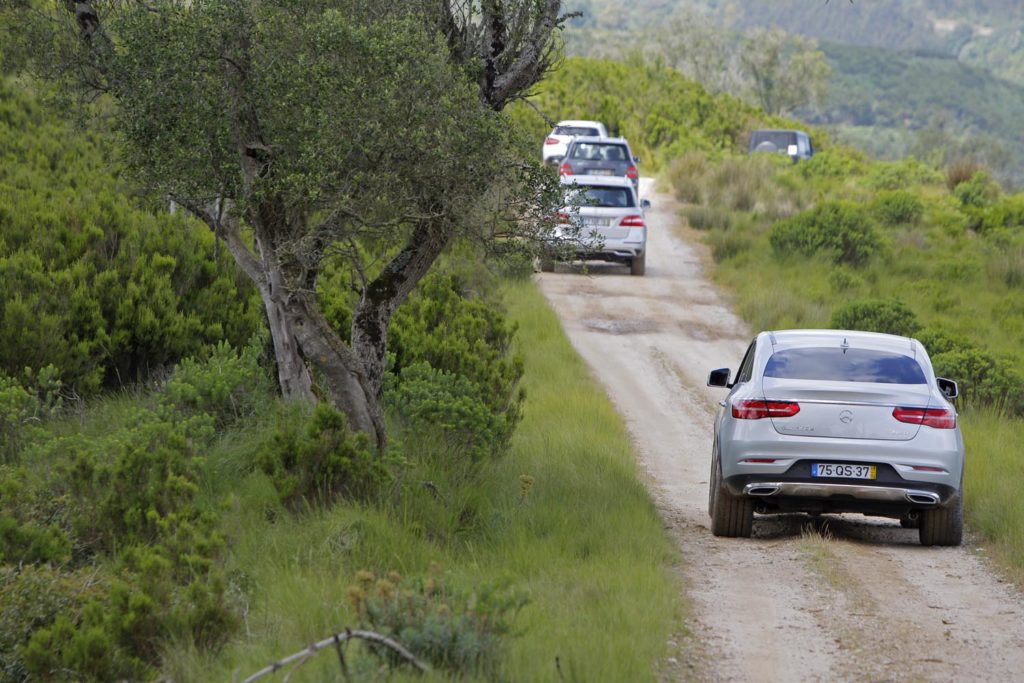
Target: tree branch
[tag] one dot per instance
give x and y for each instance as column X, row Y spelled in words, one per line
column 300, row 657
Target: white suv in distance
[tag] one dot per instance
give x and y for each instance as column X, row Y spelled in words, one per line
column 600, row 156
column 603, row 220
column 821, row 421
column 559, row 137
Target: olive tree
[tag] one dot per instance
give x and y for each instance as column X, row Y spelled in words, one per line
column 302, row 130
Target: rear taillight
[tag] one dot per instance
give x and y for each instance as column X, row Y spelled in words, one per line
column 551, row 141
column 632, row 222
column 938, row 418
column 630, row 172
column 565, row 169
column 563, row 217
column 757, row 409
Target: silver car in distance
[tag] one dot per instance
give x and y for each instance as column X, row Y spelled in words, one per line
column 821, row 421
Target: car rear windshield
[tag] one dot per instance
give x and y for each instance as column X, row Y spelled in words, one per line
column 598, row 151
column 604, row 196
column 779, row 139
column 849, row 365
column 576, row 131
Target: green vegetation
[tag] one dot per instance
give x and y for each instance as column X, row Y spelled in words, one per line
column 661, row 112
column 896, row 247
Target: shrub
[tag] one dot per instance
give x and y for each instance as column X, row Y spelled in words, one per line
column 726, row 244
column 462, row 335
column 17, row 409
column 961, row 170
column 459, row 633
column 834, row 162
column 318, row 459
column 708, row 217
column 890, row 317
column 840, row 229
column 1005, row 214
column 983, row 379
column 29, row 543
column 897, row 207
column 433, row 403
column 686, row 175
column 227, row 385
column 977, row 192
column 937, row 340
column 896, row 175
column 842, row 280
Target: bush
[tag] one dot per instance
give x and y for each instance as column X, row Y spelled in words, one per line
column 708, row 217
column 961, row 170
column 228, row 385
column 937, row 340
column 17, row 410
column 459, row 633
column 897, row 207
column 896, row 175
column 686, row 175
column 318, row 459
column 977, row 192
column 983, row 379
column 462, row 335
column 834, row 162
column 889, row 317
column 437, row 405
column 726, row 244
column 841, row 229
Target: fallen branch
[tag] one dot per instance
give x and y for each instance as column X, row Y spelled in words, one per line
column 335, row 640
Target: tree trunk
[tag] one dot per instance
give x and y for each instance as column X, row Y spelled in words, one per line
column 386, row 293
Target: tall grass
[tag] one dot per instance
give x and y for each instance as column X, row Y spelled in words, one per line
column 563, row 517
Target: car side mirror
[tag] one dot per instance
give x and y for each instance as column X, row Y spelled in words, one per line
column 791, row 150
column 719, row 378
column 948, row 387
column 645, row 204
column 636, row 160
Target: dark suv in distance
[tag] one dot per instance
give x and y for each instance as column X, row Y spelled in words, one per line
column 600, row 156
column 795, row 143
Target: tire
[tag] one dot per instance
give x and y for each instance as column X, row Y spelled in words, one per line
column 731, row 516
column 943, row 525
column 638, row 265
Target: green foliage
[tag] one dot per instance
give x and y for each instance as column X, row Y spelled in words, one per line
column 661, row 112
column 18, row 408
column 898, row 175
column 29, row 543
column 983, row 379
column 90, row 284
column 315, row 458
column 456, row 333
column 890, row 317
column 841, row 229
column 834, row 162
column 228, row 385
column 897, row 207
column 458, row 633
column 435, row 405
column 977, row 192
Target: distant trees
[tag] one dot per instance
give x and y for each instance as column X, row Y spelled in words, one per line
column 303, row 131
column 784, row 72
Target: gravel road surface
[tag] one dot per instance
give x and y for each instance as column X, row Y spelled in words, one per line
column 840, row 598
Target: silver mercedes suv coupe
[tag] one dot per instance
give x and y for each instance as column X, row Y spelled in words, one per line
column 832, row 421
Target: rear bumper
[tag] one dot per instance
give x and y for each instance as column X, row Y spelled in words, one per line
column 887, row 498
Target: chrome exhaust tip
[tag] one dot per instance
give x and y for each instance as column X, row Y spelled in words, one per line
column 923, row 497
column 761, row 489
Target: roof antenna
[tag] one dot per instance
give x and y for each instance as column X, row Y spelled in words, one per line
column 845, row 345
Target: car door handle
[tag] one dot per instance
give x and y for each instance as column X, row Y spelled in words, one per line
column 721, row 403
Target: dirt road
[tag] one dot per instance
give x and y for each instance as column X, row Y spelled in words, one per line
column 848, row 599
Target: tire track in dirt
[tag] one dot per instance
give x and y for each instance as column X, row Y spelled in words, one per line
column 857, row 599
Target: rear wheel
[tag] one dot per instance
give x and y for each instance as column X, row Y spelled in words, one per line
column 731, row 516
column 638, row 265
column 943, row 525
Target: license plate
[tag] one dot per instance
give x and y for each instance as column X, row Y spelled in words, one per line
column 601, row 171
column 600, row 222
column 843, row 471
